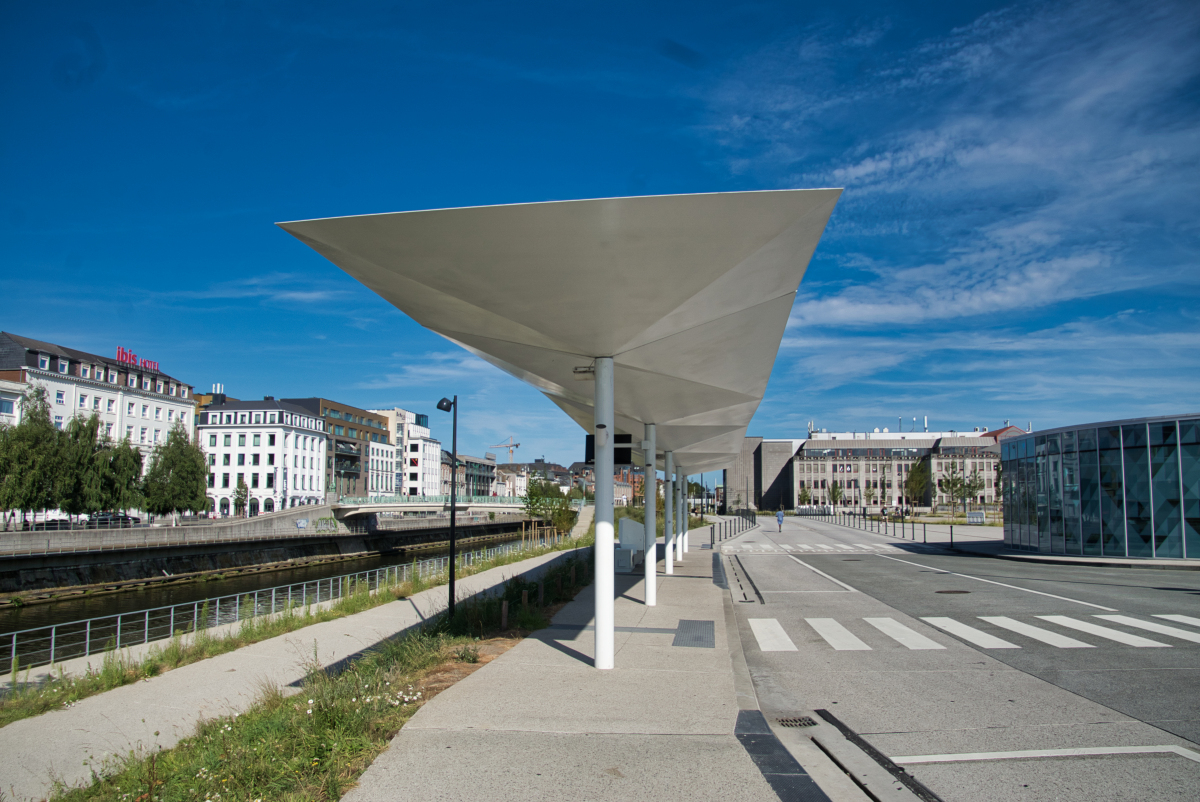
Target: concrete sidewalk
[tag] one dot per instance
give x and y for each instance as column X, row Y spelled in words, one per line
column 673, row 720
column 157, row 713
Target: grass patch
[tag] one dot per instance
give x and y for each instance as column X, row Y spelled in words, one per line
column 314, row 745
column 26, row 699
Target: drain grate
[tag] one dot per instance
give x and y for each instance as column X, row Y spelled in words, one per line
column 798, row 721
column 952, row 591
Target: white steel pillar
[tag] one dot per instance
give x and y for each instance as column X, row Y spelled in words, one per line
column 668, row 513
column 650, row 493
column 605, row 581
column 680, row 514
column 686, row 514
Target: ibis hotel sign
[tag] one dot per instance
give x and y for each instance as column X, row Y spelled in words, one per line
column 130, row 358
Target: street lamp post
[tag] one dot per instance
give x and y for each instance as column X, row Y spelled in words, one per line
column 446, row 405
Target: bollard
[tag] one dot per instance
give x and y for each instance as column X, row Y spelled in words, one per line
column 951, row 535
column 924, row 537
column 504, row 614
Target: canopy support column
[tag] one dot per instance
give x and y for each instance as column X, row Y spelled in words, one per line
column 668, row 513
column 686, row 515
column 680, row 515
column 650, row 494
column 605, row 582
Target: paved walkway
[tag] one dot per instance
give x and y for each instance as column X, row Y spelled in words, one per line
column 676, row 718
column 157, row 713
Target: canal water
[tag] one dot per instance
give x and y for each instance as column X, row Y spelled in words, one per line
column 78, row 608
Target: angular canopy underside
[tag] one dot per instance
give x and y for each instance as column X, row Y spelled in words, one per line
column 689, row 294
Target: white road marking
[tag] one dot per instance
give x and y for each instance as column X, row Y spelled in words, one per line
column 1037, row 633
column 770, row 635
column 1001, row 584
column 837, row 635
column 822, row 573
column 978, row 637
column 1181, row 619
column 905, row 636
column 1035, row 753
column 1105, row 632
column 1153, row 626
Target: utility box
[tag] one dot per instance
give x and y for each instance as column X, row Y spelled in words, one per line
column 623, row 561
column 631, row 535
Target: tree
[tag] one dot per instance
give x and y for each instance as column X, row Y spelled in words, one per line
column 120, row 485
column 971, row 488
column 178, row 476
column 805, row 497
column 80, row 466
column 29, row 462
column 916, row 483
column 955, row 485
column 869, row 495
column 545, row 501
column 835, row 493
column 240, row 494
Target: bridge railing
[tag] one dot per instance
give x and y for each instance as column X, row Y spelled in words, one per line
column 430, row 500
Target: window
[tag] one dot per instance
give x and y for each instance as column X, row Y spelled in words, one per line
column 212, row 459
column 158, row 413
column 214, row 419
column 145, row 384
column 111, row 406
column 258, row 417
column 85, row 372
column 183, row 391
column 145, row 410
column 270, row 480
column 414, row 448
column 158, row 387
column 83, row 402
column 43, row 362
column 272, row 418
column 58, row 421
column 63, row 366
column 129, row 409
column 170, row 414
column 225, row 458
column 212, row 479
column 128, row 432
column 412, row 462
column 224, row 480
column 6, row 406
column 242, row 418
column 270, row 439
column 59, row 397
column 143, row 438
column 96, row 403
column 241, row 478
column 253, row 459
column 412, row 477
column 228, row 419
column 172, row 389
column 254, row 480
column 112, row 377
column 156, row 433
column 270, row 459
column 241, row 459
column 226, row 442
column 257, row 439
column 212, row 441
column 132, row 382
column 241, row 439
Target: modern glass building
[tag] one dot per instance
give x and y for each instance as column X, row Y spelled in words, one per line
column 1119, row 489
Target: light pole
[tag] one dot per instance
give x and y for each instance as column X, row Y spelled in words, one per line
column 446, row 405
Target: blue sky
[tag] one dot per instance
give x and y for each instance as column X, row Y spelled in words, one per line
column 1018, row 237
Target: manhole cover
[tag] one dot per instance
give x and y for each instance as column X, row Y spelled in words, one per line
column 952, row 591
column 799, row 721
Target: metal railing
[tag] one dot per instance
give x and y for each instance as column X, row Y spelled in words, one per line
column 431, row 500
column 730, row 527
column 23, row 544
column 50, row 644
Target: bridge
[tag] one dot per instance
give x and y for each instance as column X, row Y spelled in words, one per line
column 354, row 507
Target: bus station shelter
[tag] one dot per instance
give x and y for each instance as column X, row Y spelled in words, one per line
column 658, row 317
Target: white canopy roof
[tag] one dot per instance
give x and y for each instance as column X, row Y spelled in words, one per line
column 690, row 295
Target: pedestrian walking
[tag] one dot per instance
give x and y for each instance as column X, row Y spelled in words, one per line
column 779, row 519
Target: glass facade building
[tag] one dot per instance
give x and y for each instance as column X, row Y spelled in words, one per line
column 1119, row 489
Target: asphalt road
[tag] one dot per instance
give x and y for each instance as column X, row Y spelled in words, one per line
column 936, row 656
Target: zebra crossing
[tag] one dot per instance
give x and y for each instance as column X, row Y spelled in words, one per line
column 824, row 548
column 886, row 632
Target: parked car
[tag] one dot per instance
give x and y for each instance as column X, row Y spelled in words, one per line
column 51, row 526
column 113, row 520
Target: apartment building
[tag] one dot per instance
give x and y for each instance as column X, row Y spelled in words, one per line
column 360, row 450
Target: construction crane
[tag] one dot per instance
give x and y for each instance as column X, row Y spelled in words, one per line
column 510, row 445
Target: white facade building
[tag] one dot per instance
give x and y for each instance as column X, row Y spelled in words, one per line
column 131, row 396
column 382, row 466
column 275, row 448
column 418, row 457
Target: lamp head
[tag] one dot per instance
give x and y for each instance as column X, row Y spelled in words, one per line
column 445, row 405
